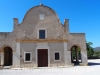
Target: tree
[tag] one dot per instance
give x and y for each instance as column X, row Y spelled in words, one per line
column 97, row 54
column 74, row 53
column 90, row 51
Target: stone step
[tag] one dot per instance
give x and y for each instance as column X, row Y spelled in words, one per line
column 6, row 67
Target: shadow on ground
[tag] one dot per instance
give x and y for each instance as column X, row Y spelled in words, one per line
column 93, row 64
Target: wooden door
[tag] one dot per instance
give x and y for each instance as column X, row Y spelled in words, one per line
column 42, row 58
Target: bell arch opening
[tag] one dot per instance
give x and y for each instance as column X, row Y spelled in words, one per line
column 8, row 55
column 76, row 55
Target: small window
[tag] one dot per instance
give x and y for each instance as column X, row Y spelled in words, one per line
column 41, row 16
column 27, row 57
column 41, row 34
column 57, row 56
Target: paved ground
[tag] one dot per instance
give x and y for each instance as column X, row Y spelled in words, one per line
column 92, row 69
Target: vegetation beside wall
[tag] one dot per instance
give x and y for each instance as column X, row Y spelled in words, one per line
column 91, row 52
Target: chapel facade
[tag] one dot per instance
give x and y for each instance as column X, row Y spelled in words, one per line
column 40, row 40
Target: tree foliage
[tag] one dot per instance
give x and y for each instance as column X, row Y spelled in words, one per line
column 90, row 51
column 97, row 53
column 74, row 53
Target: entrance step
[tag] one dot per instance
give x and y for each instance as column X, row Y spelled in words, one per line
column 6, row 67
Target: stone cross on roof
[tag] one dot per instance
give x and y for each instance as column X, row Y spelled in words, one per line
column 41, row 2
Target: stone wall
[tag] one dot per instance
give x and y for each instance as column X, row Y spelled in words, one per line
column 79, row 40
column 31, row 24
column 32, row 47
column 28, row 29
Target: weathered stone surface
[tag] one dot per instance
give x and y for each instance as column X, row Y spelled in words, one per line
column 28, row 30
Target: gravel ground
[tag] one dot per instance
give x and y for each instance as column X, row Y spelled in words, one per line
column 92, row 69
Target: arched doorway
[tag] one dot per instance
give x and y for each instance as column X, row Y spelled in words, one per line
column 7, row 56
column 76, row 55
